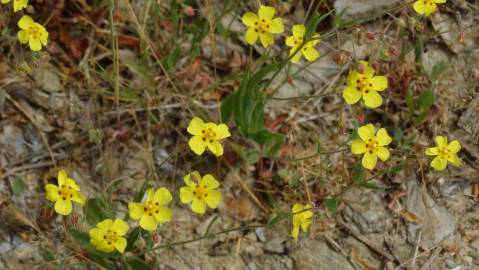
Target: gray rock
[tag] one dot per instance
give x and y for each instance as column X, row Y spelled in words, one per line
column 48, row 80
column 275, row 245
column 356, row 8
column 12, row 143
column 317, row 255
column 365, row 211
column 436, row 223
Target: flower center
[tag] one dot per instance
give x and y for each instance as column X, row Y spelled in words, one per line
column 201, row 192
column 429, row 2
column 34, row 32
column 444, row 153
column 261, row 26
column 65, row 192
column 110, row 237
column 208, row 135
column 298, row 41
column 372, row 145
column 363, row 85
column 151, row 208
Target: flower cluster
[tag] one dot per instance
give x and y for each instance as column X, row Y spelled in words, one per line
column 30, row 32
column 263, row 25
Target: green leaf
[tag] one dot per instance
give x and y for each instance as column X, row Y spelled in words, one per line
column 369, row 184
column 227, row 107
column 46, row 254
column 332, row 204
column 398, row 168
column 410, row 102
column 397, row 134
column 283, row 173
column 277, row 217
column 95, row 211
column 271, row 141
column 137, row 264
column 426, row 100
column 18, row 186
column 358, row 173
column 132, row 238
column 438, row 70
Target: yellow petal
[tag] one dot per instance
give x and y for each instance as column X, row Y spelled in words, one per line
column 369, row 160
column 210, row 182
column 441, row 141
column 34, row 44
column 19, row 4
column 120, row 244
column 439, row 163
column 136, row 210
column 290, row 43
column 221, row 131
column 249, row 18
column 351, row 95
column 383, row 153
column 71, row 183
column 213, row 199
column 62, row 177
column 216, row 148
column 276, row 26
column 296, row 52
column 305, row 224
column 383, row 137
column 251, row 36
column 96, row 234
column 353, row 76
column 372, row 99
column 78, row 197
column 266, row 39
column 22, row 36
column 162, row 196
column 186, row 194
column 197, row 145
column 164, row 214
column 430, row 8
column 105, row 224
column 440, row 1
column 51, row 192
column 192, row 178
column 25, row 22
column 358, row 147
column 148, row 222
column 454, row 146
column 311, row 54
column 455, row 160
column 44, row 38
column 380, row 83
column 433, row 151
column 196, row 126
column 366, row 132
column 297, row 207
column 368, row 71
column 295, row 232
column 299, row 30
column 5, row 1
column 266, row 12
column 198, row 206
column 120, row 227
column 63, row 207
column 419, row 7
column 150, row 194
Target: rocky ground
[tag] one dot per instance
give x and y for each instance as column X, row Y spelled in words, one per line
column 417, row 219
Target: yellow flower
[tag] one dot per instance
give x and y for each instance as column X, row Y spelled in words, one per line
column 17, row 4
column 152, row 211
column 63, row 194
column 301, row 220
column 426, row 7
column 32, row 33
column 207, row 135
column 444, row 152
column 262, row 26
column 296, row 40
column 365, row 85
column 200, row 192
column 107, row 236
column 371, row 145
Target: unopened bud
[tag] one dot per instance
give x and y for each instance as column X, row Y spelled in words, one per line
column 189, row 11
